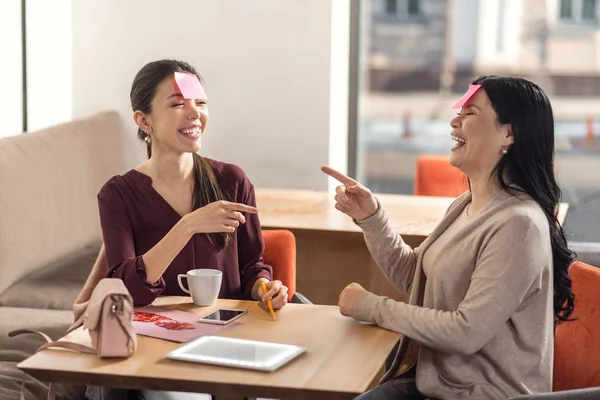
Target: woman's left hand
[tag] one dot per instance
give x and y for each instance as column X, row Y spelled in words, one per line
column 349, row 297
column 276, row 291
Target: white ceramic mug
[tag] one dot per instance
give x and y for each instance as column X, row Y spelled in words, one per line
column 204, row 285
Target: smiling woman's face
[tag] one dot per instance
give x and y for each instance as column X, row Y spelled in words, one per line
column 177, row 124
column 479, row 137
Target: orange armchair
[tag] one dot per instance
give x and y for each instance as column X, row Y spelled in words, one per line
column 435, row 176
column 577, row 343
column 280, row 253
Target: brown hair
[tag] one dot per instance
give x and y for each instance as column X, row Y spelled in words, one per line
column 144, row 87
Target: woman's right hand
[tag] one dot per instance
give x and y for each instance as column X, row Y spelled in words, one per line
column 218, row 216
column 352, row 198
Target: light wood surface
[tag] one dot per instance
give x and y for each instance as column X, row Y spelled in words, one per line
column 343, row 358
column 331, row 252
column 314, row 210
column 304, row 209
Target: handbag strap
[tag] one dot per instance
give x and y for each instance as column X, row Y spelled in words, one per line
column 117, row 311
column 50, row 343
column 68, row 345
column 127, row 328
column 131, row 334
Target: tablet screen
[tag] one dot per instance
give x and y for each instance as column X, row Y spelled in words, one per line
column 239, row 353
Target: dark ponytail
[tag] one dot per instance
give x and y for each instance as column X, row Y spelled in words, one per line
column 208, row 190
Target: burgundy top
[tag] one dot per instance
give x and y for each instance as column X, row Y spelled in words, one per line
column 135, row 217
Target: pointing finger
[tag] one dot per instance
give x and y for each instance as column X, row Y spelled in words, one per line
column 338, row 176
column 240, row 207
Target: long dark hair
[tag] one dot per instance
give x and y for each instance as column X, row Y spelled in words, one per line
column 529, row 164
column 144, row 87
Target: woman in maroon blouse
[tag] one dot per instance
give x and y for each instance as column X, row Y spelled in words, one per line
column 179, row 211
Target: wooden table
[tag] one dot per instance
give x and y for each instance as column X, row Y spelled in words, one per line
column 344, row 357
column 331, row 252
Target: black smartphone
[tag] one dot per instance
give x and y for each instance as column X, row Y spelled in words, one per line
column 223, row 316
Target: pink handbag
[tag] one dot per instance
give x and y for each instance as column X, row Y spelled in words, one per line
column 107, row 318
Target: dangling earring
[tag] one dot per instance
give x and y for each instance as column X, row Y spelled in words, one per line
column 146, row 130
column 504, row 151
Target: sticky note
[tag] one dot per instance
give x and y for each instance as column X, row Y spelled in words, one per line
column 470, row 92
column 190, row 87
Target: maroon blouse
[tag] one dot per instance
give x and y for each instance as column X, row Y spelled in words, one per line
column 135, row 217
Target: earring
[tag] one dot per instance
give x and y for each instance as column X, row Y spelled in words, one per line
column 146, row 130
column 504, row 151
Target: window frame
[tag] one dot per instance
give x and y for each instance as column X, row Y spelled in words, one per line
column 577, row 13
column 401, row 10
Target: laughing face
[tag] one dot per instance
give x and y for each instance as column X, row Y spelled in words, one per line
column 480, row 138
column 177, row 123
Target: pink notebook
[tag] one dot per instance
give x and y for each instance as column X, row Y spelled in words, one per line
column 177, row 326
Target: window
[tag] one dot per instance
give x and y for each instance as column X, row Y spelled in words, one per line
column 26, row 27
column 391, row 7
column 588, row 10
column 566, row 9
column 402, row 8
column 11, row 68
column 413, row 7
column 578, row 11
column 409, row 77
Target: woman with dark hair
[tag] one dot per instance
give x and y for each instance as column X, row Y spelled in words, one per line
column 178, row 210
column 489, row 284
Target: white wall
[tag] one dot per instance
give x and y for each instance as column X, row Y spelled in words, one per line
column 49, row 73
column 11, row 95
column 266, row 64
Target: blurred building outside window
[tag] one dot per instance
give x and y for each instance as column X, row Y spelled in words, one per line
column 418, row 57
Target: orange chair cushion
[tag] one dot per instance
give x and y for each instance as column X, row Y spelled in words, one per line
column 435, row 176
column 577, row 343
column 280, row 253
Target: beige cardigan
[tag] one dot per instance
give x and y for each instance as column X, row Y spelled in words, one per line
column 484, row 315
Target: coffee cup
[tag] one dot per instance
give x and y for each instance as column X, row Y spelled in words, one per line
column 204, row 285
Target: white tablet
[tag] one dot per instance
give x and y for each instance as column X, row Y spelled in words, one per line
column 240, row 353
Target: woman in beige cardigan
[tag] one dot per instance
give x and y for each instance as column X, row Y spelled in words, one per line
column 488, row 285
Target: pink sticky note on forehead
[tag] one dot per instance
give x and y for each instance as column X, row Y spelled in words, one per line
column 470, row 92
column 190, row 87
